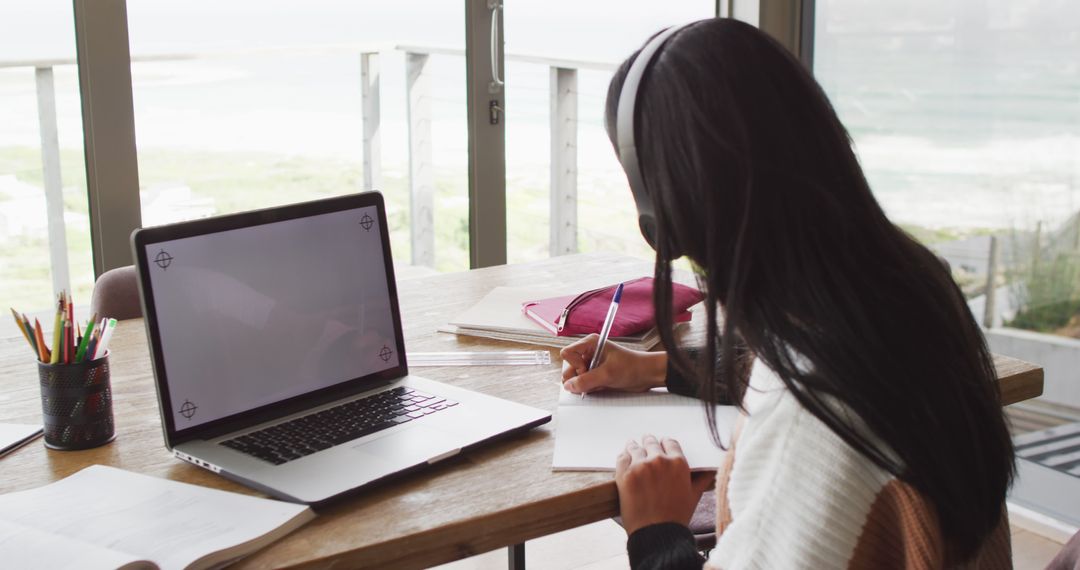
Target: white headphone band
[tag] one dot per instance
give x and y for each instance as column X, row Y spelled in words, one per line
column 624, row 117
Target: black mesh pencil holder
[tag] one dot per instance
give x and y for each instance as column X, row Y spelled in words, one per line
column 76, row 402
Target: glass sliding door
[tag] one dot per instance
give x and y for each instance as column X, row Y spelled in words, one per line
column 44, row 223
column 249, row 104
column 565, row 189
column 966, row 117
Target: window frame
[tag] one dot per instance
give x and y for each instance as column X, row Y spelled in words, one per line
column 112, row 173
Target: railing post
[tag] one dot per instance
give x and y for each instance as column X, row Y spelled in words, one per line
column 1076, row 232
column 564, row 129
column 990, row 307
column 369, row 87
column 421, row 176
column 1036, row 250
column 54, row 187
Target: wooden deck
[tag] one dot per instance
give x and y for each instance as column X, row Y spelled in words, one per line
column 1035, row 415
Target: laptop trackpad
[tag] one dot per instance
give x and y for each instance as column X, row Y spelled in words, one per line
column 411, row 446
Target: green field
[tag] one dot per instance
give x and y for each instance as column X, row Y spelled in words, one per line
column 245, row 180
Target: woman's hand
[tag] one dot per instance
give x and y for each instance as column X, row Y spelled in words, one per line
column 655, row 485
column 621, row 368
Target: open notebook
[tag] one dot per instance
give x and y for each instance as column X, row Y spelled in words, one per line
column 591, row 431
column 103, row 517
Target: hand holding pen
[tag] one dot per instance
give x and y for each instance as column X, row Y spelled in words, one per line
column 606, row 330
column 616, row 368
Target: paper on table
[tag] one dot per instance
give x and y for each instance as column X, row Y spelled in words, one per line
column 500, row 310
column 12, row 436
column 24, row 547
column 170, row 523
column 591, row 431
column 659, row 398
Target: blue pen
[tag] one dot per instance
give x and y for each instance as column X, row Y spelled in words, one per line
column 606, row 330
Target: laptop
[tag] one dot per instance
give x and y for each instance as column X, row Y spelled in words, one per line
column 279, row 357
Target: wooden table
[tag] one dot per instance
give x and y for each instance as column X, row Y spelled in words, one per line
column 501, row 495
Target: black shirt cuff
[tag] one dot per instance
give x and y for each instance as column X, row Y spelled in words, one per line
column 663, row 545
column 675, row 381
column 678, row 384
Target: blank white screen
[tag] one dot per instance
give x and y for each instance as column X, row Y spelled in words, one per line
column 257, row 315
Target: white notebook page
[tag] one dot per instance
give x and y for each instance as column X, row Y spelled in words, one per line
column 170, row 523
column 590, row 432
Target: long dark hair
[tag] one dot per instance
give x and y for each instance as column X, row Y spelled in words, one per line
column 753, row 177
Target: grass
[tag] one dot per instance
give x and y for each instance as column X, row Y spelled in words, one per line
column 931, row 236
column 1048, row 294
column 237, row 181
column 25, row 277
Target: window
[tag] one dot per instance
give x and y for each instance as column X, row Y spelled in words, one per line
column 44, row 226
column 251, row 104
column 966, row 118
column 579, row 44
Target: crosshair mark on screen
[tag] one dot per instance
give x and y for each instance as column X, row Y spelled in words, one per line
column 163, row 259
column 187, row 409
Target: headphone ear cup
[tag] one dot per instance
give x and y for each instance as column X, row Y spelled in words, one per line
column 647, row 224
column 623, row 130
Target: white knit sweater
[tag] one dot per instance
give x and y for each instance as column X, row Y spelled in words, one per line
column 794, row 495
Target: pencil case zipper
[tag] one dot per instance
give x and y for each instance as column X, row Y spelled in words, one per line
column 561, row 324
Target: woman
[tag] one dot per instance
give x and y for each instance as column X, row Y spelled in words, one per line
column 872, row 433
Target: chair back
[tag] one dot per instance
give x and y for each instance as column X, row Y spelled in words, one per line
column 116, row 295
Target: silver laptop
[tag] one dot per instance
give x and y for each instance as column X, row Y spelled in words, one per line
column 279, row 358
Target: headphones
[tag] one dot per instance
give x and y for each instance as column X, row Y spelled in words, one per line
column 624, row 132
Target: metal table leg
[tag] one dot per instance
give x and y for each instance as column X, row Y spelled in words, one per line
column 515, row 555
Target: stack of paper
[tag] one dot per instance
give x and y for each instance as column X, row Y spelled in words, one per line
column 498, row 316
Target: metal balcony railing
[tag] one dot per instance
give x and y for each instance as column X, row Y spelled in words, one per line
column 563, row 124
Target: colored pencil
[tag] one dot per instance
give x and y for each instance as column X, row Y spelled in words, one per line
column 22, row 329
column 71, row 342
column 80, row 353
column 66, row 356
column 71, row 339
column 58, row 328
column 43, row 351
column 29, row 331
column 91, row 346
column 99, row 340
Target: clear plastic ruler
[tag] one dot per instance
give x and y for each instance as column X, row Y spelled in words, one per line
column 491, row 358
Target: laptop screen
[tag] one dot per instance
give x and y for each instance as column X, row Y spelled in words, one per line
column 252, row 316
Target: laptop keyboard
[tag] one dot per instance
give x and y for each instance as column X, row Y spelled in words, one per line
column 305, row 435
